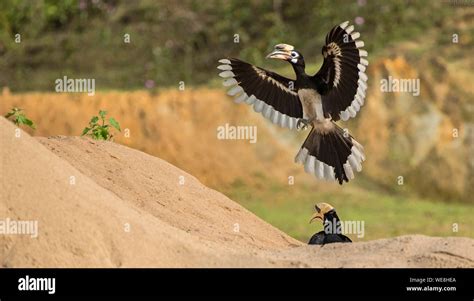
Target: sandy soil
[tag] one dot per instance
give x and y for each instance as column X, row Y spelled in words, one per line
column 101, row 204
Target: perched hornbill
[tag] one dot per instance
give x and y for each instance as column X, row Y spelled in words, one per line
column 336, row 91
column 327, row 214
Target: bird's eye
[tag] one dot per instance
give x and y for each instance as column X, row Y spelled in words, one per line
column 294, row 54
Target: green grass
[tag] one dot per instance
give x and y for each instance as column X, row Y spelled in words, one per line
column 385, row 214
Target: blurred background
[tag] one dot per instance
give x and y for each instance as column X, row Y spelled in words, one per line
column 419, row 173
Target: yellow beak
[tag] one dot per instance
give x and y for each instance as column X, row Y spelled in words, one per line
column 280, row 54
column 315, row 216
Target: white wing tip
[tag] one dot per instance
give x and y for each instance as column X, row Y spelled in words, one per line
column 226, row 74
column 360, row 44
column 349, row 29
column 343, row 25
column 355, row 35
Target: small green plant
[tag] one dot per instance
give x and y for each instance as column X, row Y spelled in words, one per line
column 18, row 117
column 99, row 130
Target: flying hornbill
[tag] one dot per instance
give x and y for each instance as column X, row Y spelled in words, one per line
column 332, row 226
column 336, row 91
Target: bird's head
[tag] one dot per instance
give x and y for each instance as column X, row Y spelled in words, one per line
column 287, row 53
column 322, row 211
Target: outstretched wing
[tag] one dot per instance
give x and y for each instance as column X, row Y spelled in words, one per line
column 342, row 81
column 269, row 93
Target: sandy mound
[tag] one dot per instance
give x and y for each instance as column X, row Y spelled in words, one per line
column 100, row 204
column 165, row 124
column 404, row 251
column 85, row 224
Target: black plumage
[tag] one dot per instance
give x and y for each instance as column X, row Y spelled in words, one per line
column 268, row 86
column 322, row 238
column 322, row 146
column 332, row 232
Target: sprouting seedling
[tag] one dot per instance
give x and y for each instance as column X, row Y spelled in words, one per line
column 18, row 117
column 98, row 129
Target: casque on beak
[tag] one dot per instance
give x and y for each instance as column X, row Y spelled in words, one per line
column 321, row 210
column 281, row 52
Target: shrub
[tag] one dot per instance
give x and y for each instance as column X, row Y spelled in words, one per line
column 98, row 129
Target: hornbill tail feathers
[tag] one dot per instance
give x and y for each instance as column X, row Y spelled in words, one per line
column 329, row 153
